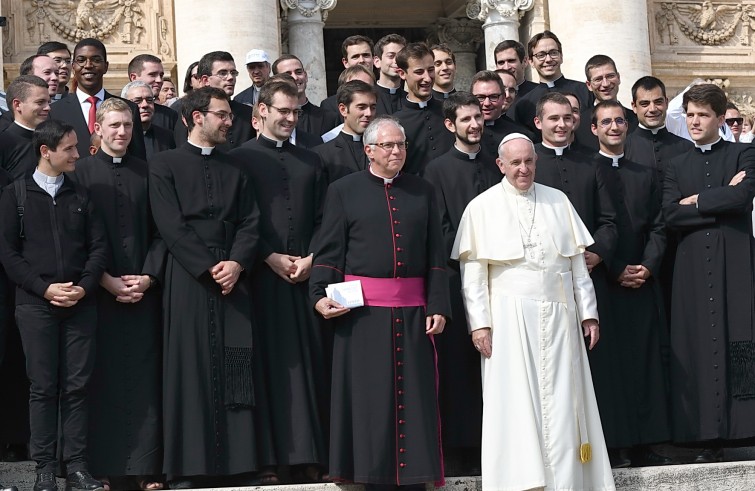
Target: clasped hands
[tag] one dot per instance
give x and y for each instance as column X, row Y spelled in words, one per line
column 64, row 294
column 128, row 288
column 634, row 276
column 292, row 269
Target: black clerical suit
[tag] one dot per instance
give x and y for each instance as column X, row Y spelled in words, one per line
column 458, row 177
column 525, row 88
column 63, row 240
column 342, row 155
column 17, row 156
column 290, row 187
column 524, row 108
column 442, row 96
column 384, row 412
column 584, row 136
column 316, row 120
column 389, row 100
column 125, row 434
column 306, row 140
column 330, row 105
column 68, row 109
column 205, row 211
column 425, row 131
column 158, row 139
column 240, row 132
column 164, row 117
column 637, row 313
column 712, row 319
column 496, row 130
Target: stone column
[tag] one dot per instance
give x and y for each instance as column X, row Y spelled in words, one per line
column 230, row 29
column 463, row 36
column 622, row 35
column 306, row 19
column 500, row 21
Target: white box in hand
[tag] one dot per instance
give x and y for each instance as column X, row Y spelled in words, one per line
column 347, row 293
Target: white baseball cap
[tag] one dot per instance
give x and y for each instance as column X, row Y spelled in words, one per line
column 257, row 56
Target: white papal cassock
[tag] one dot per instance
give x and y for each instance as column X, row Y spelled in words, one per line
column 528, row 281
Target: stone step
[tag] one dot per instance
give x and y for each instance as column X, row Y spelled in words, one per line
column 726, row 476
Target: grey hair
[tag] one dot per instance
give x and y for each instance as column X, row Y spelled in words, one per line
column 370, row 134
column 131, row 85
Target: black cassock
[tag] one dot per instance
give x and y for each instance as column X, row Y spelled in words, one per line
column 389, row 100
column 240, row 132
column 384, row 411
column 524, row 108
column 637, row 312
column 496, row 130
column 205, row 210
column 158, row 139
column 712, row 349
column 317, row 121
column 290, row 188
column 425, row 131
column 125, row 432
column 17, row 156
column 458, row 178
column 342, row 155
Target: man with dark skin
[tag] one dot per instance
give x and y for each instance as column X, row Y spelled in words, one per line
column 79, row 108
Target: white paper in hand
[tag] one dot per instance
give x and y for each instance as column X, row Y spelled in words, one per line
column 348, row 293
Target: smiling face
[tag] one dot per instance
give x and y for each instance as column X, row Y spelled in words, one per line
column 508, row 60
column 702, row 123
column 63, row 59
column 62, row 158
column 142, row 97
column 467, row 126
column 604, row 82
column 223, row 76
column 359, row 114
column 486, row 91
column 33, row 110
column 650, row 107
column 611, row 129
column 386, row 63
column 89, row 67
column 152, row 74
column 547, row 59
column 115, row 131
column 45, row 68
column 387, row 162
column 419, row 78
column 167, row 92
column 518, row 162
column 556, row 124
column 445, row 71
column 296, row 70
column 280, row 118
column 211, row 127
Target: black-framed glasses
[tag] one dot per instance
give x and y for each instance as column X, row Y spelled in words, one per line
column 540, row 55
column 94, row 60
column 493, row 98
column 139, row 100
column 224, row 74
column 222, row 115
column 608, row 77
column 286, row 112
column 733, row 121
column 389, row 146
column 607, row 122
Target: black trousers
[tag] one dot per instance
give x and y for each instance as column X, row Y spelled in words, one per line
column 59, row 344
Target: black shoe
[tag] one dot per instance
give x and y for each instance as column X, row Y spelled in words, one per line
column 182, row 484
column 709, row 456
column 83, row 481
column 9, row 488
column 619, row 458
column 645, row 457
column 45, row 482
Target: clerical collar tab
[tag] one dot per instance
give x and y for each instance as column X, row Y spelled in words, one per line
column 393, row 90
column 652, row 130
column 470, row 155
column 707, row 147
column 490, row 123
column 385, row 179
column 117, row 160
column 204, row 150
column 278, row 143
column 356, row 138
column 614, row 158
column 559, row 150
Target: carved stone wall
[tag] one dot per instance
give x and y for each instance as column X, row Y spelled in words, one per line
column 712, row 40
column 126, row 27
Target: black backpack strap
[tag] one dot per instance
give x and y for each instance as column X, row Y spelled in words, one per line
column 19, row 185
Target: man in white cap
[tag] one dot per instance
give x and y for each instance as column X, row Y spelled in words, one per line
column 258, row 67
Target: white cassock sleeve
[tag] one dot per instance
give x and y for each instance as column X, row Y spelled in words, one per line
column 474, row 289
column 584, row 291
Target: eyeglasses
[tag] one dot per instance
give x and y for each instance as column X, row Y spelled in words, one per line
column 606, row 123
column 62, row 61
column 286, row 112
column 554, row 53
column 222, row 115
column 94, row 60
column 389, row 146
column 733, row 121
column 609, row 77
column 226, row 74
column 139, row 100
column 493, row 98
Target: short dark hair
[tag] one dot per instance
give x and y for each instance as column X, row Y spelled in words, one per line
column 568, row 93
column 501, row 71
column 416, row 51
column 455, row 101
column 284, row 58
column 487, row 76
column 208, row 59
column 27, row 66
column 555, row 97
column 546, row 34
column 94, row 43
column 348, row 73
column 444, row 48
column 377, row 50
column 605, row 105
column 49, row 133
column 21, row 86
column 706, row 94
column 353, row 41
column 199, row 100
column 187, row 79
column 511, row 44
column 647, row 83
column 596, row 61
column 276, row 85
column 346, row 92
column 731, row 105
column 136, row 65
column 51, row 46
